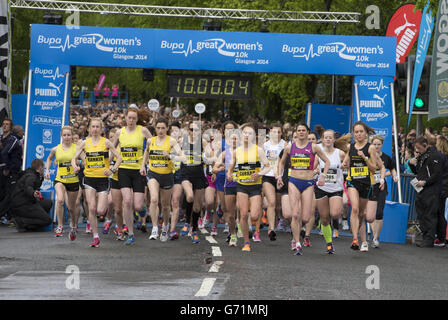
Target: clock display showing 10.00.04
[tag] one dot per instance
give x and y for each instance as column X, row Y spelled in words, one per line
column 209, row 87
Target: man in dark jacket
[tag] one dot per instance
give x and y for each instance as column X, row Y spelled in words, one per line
column 428, row 168
column 28, row 208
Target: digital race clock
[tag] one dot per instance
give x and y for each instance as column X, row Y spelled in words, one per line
column 209, row 87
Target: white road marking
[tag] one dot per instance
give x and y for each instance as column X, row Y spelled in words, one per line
column 203, row 231
column 215, row 266
column 216, row 251
column 210, row 239
column 206, row 287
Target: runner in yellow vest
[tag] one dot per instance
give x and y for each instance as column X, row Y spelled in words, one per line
column 66, row 182
column 96, row 172
column 160, row 176
column 248, row 157
column 132, row 185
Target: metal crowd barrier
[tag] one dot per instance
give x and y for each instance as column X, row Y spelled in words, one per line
column 407, row 193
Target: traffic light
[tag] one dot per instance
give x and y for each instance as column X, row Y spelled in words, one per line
column 404, row 71
column 421, row 103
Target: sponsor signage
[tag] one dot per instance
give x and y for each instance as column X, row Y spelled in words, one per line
column 438, row 94
column 220, row 51
column 404, row 25
column 45, row 111
column 375, row 107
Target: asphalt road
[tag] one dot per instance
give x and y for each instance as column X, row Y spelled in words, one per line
column 34, row 266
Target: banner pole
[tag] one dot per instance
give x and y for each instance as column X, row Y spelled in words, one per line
column 28, row 100
column 64, row 111
column 397, row 151
column 358, row 113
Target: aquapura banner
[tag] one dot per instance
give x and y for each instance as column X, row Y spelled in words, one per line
column 214, row 50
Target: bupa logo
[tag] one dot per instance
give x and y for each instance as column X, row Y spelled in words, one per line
column 49, row 73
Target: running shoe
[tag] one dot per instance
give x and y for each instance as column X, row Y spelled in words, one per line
column 116, row 230
column 228, row 237
column 299, row 250
column 143, row 228
column 264, row 219
column 72, row 234
column 125, row 230
column 184, row 230
column 3, row 220
column 335, row 233
column 154, row 234
column 246, row 247
column 233, row 241
column 195, row 237
column 364, row 247
column 288, row 230
column 330, row 248
column 214, row 232
column 121, row 236
column 200, row 223
column 355, row 244
column 164, row 236
column 139, row 225
column 345, row 225
column 58, row 231
column 302, row 233
column 206, row 219
column 272, row 235
column 306, row 241
column 226, row 228
column 256, row 237
column 102, row 218
column 219, row 211
column 438, row 243
column 131, row 240
column 107, row 226
column 375, row 243
column 173, row 235
column 88, row 228
column 293, row 245
column 281, row 225
column 95, row 243
column 239, row 233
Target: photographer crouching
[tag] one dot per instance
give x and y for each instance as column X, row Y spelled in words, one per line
column 28, row 208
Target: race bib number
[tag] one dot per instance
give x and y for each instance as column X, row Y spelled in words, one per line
column 359, row 172
column 129, row 155
column 95, row 160
column 66, row 170
column 331, row 176
column 157, row 159
column 377, row 176
column 298, row 163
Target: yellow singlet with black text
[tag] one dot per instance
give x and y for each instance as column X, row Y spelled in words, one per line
column 65, row 173
column 159, row 163
column 131, row 148
column 97, row 158
column 248, row 163
column 359, row 171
